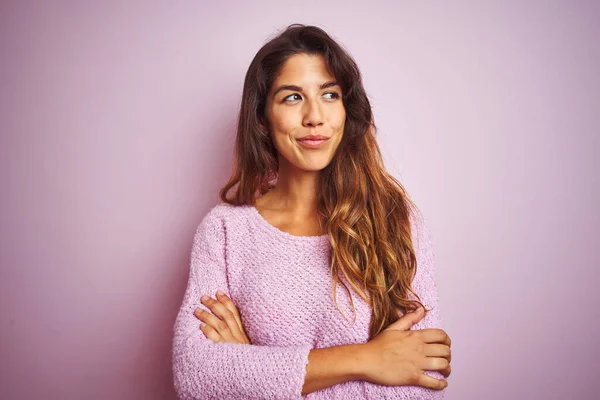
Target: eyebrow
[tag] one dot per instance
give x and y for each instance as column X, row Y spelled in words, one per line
column 299, row 89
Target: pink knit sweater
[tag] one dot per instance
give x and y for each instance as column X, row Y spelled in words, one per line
column 281, row 285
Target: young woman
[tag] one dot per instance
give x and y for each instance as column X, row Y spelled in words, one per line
column 308, row 210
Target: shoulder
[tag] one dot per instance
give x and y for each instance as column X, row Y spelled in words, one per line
column 220, row 212
column 210, row 235
column 222, row 215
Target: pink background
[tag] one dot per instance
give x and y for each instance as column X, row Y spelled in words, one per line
column 117, row 124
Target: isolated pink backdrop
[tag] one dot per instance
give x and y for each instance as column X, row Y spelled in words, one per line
column 117, row 121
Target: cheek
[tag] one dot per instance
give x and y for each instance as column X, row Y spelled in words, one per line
column 338, row 122
column 283, row 123
column 338, row 116
column 280, row 134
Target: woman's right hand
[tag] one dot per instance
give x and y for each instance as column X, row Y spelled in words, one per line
column 399, row 356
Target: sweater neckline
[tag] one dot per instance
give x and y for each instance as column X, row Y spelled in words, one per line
column 266, row 226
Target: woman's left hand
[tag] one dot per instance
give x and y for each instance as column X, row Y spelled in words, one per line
column 224, row 324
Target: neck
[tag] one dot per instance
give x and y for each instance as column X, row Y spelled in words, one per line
column 296, row 190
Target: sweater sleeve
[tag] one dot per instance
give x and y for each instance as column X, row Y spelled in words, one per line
column 424, row 283
column 206, row 370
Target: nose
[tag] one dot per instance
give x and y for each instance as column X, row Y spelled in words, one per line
column 313, row 115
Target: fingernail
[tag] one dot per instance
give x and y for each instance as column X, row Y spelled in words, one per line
column 220, row 293
column 204, row 298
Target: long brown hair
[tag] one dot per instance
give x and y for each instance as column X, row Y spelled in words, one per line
column 365, row 209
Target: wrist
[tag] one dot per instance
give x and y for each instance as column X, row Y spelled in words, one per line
column 358, row 361
column 333, row 365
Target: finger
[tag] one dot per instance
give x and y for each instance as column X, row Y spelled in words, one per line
column 433, row 364
column 435, row 336
column 224, row 315
column 407, row 320
column 228, row 303
column 447, row 371
column 210, row 333
column 438, row 350
column 431, row 382
column 215, row 323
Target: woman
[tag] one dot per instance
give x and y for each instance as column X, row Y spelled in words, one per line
column 309, row 209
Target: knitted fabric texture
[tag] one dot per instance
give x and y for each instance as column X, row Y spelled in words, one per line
column 282, row 287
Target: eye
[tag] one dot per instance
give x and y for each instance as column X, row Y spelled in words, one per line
column 291, row 97
column 333, row 95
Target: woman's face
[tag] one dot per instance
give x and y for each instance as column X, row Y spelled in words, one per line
column 305, row 113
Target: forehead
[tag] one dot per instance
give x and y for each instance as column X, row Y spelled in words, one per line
column 304, row 68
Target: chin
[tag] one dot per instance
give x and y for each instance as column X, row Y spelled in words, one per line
column 314, row 167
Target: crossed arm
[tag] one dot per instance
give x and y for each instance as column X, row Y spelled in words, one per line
column 217, row 359
column 333, row 365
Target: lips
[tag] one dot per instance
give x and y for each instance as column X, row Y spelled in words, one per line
column 312, row 141
column 313, row 137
